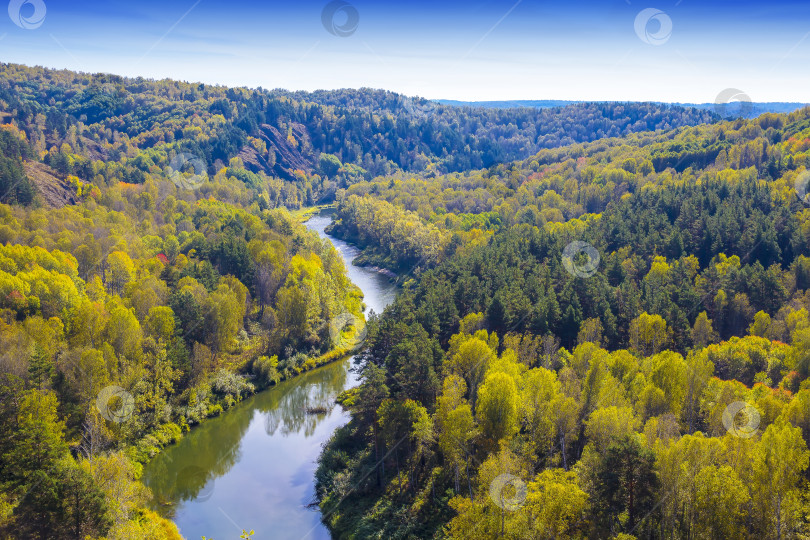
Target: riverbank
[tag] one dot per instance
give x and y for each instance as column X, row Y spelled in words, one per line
column 305, row 213
column 369, row 257
column 241, row 364
column 151, row 445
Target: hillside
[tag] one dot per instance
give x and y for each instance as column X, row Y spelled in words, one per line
column 600, row 339
column 301, row 147
column 136, row 302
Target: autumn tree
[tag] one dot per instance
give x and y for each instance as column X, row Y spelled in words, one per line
column 648, row 334
column 720, row 503
column 780, row 460
column 497, row 407
column 556, row 505
column 702, row 332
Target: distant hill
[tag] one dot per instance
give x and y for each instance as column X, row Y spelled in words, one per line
column 749, row 110
column 510, row 104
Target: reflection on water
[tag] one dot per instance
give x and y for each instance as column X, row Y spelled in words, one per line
column 253, row 467
column 286, row 411
column 211, row 450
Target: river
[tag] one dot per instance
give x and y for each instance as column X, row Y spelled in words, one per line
column 253, row 467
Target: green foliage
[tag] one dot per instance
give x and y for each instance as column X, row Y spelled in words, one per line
column 282, row 148
column 615, row 391
column 62, row 502
column 167, row 294
column 606, row 397
column 15, row 186
column 402, row 239
column 626, row 484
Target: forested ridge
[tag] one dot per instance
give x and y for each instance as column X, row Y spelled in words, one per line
column 576, row 183
column 605, row 340
column 298, row 148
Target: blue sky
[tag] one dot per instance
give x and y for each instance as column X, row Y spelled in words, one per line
column 474, row 50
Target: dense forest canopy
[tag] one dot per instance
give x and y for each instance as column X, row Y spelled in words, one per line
column 605, row 340
column 741, row 106
column 577, row 183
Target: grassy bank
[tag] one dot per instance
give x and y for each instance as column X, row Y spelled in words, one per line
column 305, row 213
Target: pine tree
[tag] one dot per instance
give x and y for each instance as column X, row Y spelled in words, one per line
column 40, row 366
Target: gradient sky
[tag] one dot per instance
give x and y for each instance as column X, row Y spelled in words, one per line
column 473, row 50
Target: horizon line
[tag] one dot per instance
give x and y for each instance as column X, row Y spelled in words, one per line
column 461, row 102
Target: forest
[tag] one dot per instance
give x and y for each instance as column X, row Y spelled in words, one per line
column 132, row 311
column 602, row 328
column 607, row 340
column 298, row 148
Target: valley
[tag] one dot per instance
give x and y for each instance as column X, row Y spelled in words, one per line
column 354, row 314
